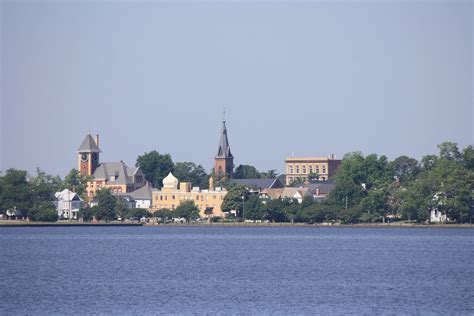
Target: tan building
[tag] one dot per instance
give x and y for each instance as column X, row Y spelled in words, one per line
column 301, row 167
column 116, row 176
column 170, row 197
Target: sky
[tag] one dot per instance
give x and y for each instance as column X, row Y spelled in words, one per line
column 302, row 78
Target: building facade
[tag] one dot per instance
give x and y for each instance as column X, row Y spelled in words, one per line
column 116, row 176
column 299, row 168
column 171, row 196
column 67, row 204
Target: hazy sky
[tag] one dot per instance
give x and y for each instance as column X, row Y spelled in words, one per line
column 309, row 78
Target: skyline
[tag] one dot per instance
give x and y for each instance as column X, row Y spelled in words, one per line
column 307, row 78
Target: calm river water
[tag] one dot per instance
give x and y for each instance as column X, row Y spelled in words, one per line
column 236, row 270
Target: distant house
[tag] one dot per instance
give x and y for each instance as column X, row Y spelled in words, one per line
column 437, row 216
column 143, row 196
column 128, row 200
column 68, row 204
column 285, row 193
column 257, row 185
column 319, row 189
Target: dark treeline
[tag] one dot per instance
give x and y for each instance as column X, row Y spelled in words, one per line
column 372, row 188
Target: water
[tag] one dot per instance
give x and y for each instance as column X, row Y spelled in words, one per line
column 235, row 270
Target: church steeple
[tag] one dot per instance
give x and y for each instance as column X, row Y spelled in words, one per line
column 224, row 161
column 224, row 147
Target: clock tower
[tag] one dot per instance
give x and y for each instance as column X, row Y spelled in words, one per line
column 88, row 155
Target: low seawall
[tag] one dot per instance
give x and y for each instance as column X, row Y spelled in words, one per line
column 68, row 225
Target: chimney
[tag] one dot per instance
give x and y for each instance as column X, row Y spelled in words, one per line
column 97, row 140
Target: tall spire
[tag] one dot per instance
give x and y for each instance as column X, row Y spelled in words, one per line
column 224, row 147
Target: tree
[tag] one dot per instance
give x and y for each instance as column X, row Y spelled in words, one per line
column 246, row 172
column 87, row 213
column 375, row 203
column 189, row 171
column 269, row 174
column 468, row 157
column 187, row 210
column 429, row 162
column 44, row 212
column 253, row 208
column 155, row 166
column 405, row 169
column 234, row 199
column 346, row 194
column 164, row 214
column 76, row 182
column 106, row 205
column 43, row 187
column 121, row 209
column 449, row 151
column 16, row 191
column 137, row 213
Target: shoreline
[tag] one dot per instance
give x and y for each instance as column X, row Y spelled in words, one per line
column 237, row 224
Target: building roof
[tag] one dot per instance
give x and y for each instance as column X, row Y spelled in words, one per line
column 258, row 184
column 144, row 193
column 67, row 195
column 286, row 192
column 324, row 186
column 310, row 159
column 224, row 147
column 116, row 173
column 88, row 145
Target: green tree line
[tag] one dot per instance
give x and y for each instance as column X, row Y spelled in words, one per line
column 371, row 188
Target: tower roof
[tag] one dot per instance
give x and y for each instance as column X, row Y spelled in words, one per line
column 224, row 147
column 88, row 145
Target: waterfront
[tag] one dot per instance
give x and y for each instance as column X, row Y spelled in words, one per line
column 256, row 270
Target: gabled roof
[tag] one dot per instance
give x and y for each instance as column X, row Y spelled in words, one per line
column 88, row 145
column 224, row 147
column 324, row 186
column 286, row 192
column 258, row 184
column 67, row 195
column 114, row 173
column 144, row 193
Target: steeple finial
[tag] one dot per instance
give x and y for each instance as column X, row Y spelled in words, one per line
column 223, row 115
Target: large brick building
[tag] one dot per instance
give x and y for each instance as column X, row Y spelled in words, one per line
column 116, row 176
column 299, row 168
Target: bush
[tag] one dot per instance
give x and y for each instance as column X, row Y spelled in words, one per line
column 44, row 212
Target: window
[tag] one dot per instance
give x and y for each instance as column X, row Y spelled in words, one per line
column 290, row 169
column 324, row 169
column 310, row 169
column 304, row 169
column 297, row 169
column 317, row 169
column 173, row 197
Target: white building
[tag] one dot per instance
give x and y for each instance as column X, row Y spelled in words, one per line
column 68, row 204
column 142, row 196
